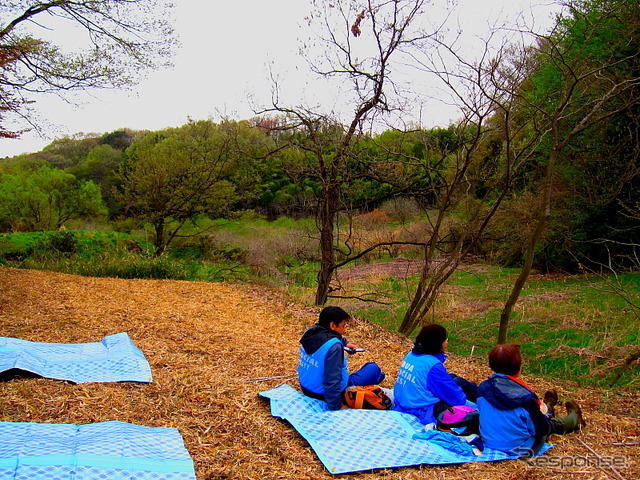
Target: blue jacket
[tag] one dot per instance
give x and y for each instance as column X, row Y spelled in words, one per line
column 322, row 370
column 422, row 382
column 510, row 417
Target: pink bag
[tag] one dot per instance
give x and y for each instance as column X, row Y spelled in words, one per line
column 459, row 416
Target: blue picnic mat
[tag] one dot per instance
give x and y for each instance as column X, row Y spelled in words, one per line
column 97, row 451
column 114, row 359
column 356, row 440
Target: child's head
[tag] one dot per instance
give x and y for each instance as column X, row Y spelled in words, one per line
column 332, row 317
column 432, row 338
column 505, row 359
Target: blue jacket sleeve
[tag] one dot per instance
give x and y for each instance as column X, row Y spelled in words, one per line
column 540, row 424
column 442, row 386
column 332, row 381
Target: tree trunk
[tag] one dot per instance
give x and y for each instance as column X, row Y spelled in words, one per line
column 530, row 252
column 625, row 365
column 158, row 242
column 411, row 318
column 326, row 221
column 520, row 281
column 431, row 280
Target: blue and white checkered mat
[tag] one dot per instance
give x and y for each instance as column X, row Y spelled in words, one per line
column 114, row 359
column 358, row 440
column 108, row 450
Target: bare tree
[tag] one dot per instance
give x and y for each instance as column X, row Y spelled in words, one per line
column 495, row 91
column 361, row 43
column 491, row 146
column 123, row 39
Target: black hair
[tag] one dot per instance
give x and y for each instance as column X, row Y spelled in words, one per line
column 332, row 314
column 431, row 338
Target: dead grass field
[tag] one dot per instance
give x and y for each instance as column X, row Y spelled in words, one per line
column 207, row 343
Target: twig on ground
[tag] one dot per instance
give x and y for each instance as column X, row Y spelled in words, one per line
column 617, row 474
column 265, row 379
column 625, row 365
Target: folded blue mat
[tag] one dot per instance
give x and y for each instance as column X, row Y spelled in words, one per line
column 114, row 359
column 108, row 450
column 356, row 440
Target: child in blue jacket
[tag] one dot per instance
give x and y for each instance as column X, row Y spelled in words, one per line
column 322, row 371
column 512, row 418
column 424, row 388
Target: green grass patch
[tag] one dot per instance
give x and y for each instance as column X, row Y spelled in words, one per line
column 110, row 254
column 575, row 328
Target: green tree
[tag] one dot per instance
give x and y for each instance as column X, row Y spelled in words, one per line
column 46, row 198
column 174, row 176
column 254, row 163
column 100, row 166
column 123, row 38
column 68, row 151
column 583, row 74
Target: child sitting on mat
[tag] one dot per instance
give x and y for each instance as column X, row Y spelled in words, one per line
column 424, row 388
column 512, row 418
column 322, row 371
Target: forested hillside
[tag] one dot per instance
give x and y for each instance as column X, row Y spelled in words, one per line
column 545, row 153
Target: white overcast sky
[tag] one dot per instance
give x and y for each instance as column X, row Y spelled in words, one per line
column 226, row 48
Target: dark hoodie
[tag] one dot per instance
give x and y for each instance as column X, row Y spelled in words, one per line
column 505, row 394
column 314, row 338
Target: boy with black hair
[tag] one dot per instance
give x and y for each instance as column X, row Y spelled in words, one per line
column 322, row 370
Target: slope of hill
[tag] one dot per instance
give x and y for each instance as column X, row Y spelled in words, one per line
column 210, row 346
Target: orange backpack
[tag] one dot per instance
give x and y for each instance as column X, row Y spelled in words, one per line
column 368, row 396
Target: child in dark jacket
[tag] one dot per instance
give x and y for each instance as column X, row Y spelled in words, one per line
column 322, row 371
column 512, row 418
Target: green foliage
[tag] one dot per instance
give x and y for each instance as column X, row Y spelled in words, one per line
column 119, row 139
column 581, row 93
column 175, row 176
column 105, row 254
column 67, row 152
column 45, row 198
column 100, row 166
column 131, row 266
column 65, row 243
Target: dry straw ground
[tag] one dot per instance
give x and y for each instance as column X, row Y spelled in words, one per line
column 207, row 342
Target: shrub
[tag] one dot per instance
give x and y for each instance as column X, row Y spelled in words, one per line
column 372, row 219
column 401, row 209
column 125, row 266
column 63, row 242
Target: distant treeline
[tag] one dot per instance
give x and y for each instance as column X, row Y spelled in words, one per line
column 217, row 169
